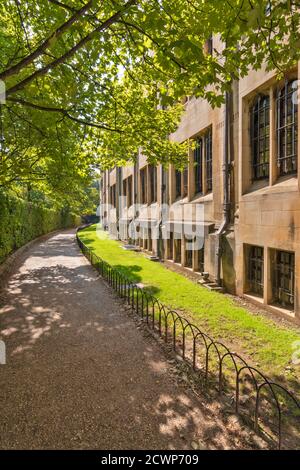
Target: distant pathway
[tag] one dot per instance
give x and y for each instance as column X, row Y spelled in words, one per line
column 79, row 373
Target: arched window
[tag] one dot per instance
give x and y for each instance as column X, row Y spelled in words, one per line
column 260, row 137
column 287, row 115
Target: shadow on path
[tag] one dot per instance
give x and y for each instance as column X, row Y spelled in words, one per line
column 79, row 373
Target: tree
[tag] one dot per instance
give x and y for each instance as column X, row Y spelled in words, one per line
column 90, row 82
column 91, row 200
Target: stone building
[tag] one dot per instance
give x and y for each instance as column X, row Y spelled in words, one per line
column 242, row 172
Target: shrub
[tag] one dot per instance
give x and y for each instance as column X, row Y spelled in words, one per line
column 22, row 221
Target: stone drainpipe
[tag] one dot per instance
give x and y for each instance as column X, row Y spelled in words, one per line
column 226, row 192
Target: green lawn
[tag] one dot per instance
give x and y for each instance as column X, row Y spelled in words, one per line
column 258, row 339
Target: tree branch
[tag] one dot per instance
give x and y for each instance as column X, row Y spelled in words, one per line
column 63, row 5
column 39, row 50
column 65, row 113
column 22, row 23
column 70, row 52
column 168, row 53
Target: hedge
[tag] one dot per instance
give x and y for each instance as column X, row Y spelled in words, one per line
column 22, row 221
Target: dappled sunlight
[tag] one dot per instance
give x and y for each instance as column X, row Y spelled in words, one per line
column 37, row 290
column 8, row 331
column 157, row 367
column 162, row 320
column 258, row 339
column 6, row 309
column 82, row 369
column 21, row 349
column 176, row 416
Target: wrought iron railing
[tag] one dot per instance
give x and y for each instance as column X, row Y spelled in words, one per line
column 267, row 406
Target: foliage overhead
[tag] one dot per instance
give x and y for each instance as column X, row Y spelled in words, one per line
column 89, row 82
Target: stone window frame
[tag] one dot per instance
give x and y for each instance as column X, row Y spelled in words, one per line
column 200, row 259
column 260, row 137
column 177, row 183
column 271, row 90
column 283, row 273
column 152, row 177
column 177, row 250
column 208, row 160
column 206, row 145
column 186, row 177
column 112, row 195
column 188, row 254
column 285, row 94
column 269, row 295
column 185, row 182
column 170, row 246
column 145, row 192
column 253, row 264
column 143, row 185
column 198, row 166
column 127, row 190
column 181, row 183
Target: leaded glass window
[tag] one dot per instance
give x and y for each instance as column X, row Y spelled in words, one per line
column 198, row 157
column 284, row 288
column 260, row 137
column 287, row 136
column 177, row 183
column 208, row 160
column 256, row 270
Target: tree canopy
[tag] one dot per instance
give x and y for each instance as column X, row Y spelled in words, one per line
column 88, row 83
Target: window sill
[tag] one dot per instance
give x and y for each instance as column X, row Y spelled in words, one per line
column 257, row 185
column 202, row 198
column 181, row 200
column 286, row 179
column 282, row 185
column 254, row 298
column 281, row 310
column 270, row 307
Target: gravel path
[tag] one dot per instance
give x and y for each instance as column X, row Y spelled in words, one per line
column 79, row 372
